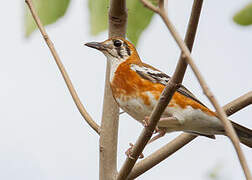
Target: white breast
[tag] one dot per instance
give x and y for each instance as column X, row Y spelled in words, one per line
column 136, row 107
column 190, row 120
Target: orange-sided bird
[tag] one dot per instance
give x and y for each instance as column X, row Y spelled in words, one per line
column 137, row 86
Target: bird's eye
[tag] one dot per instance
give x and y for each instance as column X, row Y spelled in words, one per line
column 117, row 43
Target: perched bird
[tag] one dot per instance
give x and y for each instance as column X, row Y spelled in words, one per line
column 137, row 86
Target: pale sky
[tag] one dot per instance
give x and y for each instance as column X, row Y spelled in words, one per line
column 44, row 137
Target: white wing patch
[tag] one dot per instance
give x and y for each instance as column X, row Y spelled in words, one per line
column 151, row 74
column 156, row 76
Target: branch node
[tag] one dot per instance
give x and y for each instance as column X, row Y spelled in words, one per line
column 101, row 148
column 46, row 37
column 116, row 19
column 230, row 110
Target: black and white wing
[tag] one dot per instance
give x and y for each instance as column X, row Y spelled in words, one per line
column 157, row 76
column 150, row 74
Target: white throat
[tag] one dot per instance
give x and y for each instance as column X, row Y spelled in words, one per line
column 114, row 63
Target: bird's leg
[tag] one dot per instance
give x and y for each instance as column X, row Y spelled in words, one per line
column 161, row 132
column 146, row 121
column 129, row 152
column 146, row 124
column 163, row 124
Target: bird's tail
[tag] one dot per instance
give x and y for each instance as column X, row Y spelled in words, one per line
column 244, row 134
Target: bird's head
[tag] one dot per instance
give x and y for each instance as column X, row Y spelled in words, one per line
column 116, row 49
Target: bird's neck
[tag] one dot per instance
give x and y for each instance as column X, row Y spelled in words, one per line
column 115, row 63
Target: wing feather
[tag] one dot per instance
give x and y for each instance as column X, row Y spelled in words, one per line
column 151, row 74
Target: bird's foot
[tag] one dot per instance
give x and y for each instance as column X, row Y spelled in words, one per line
column 161, row 132
column 146, row 121
column 129, row 152
column 146, row 124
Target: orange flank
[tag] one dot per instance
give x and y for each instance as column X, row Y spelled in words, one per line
column 128, row 84
column 184, row 101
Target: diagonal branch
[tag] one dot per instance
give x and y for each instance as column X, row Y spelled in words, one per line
column 68, row 82
column 183, row 139
column 238, row 104
column 221, row 114
column 165, row 97
column 189, row 37
column 161, row 154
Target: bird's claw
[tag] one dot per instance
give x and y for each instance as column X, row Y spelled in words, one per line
column 146, row 124
column 146, row 121
column 129, row 152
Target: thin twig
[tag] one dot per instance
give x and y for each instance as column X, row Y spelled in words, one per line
column 238, row 103
column 109, row 126
column 221, row 114
column 161, row 154
column 183, row 139
column 164, row 98
column 189, row 37
column 68, row 82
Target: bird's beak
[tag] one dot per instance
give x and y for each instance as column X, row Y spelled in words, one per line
column 96, row 45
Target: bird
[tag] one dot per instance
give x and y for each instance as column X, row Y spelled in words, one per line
column 137, row 86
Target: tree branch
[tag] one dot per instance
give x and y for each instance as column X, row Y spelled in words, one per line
column 117, row 18
column 161, row 154
column 189, row 37
column 221, row 114
column 110, row 116
column 238, row 104
column 183, row 139
column 68, row 82
column 166, row 95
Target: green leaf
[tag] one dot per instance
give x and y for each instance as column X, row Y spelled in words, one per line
column 98, row 10
column 49, row 12
column 139, row 18
column 244, row 17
